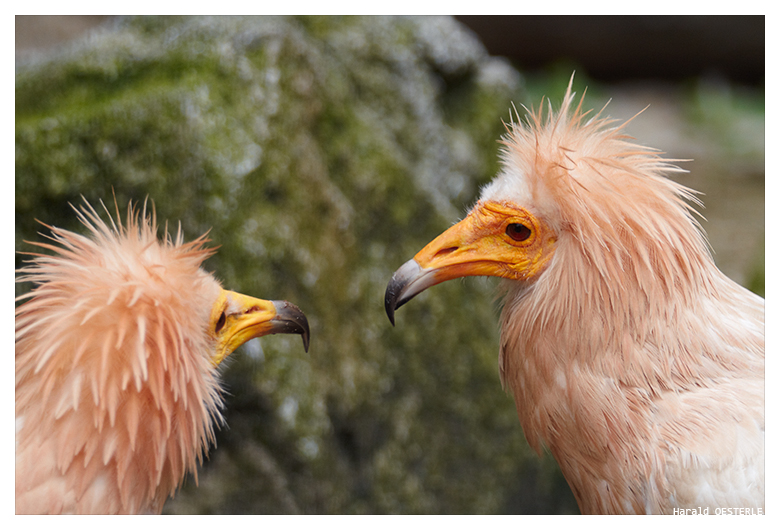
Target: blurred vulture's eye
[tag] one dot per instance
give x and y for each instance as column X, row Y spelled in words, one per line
column 220, row 322
column 518, row 232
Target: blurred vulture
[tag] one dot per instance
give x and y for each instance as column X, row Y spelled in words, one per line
column 629, row 354
column 117, row 347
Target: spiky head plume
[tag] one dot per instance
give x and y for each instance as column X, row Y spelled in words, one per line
column 628, row 246
column 113, row 369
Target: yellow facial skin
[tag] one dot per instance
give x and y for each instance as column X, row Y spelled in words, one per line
column 495, row 239
column 237, row 318
column 481, row 245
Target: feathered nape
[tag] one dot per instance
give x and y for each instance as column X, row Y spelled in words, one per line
column 630, row 307
column 114, row 328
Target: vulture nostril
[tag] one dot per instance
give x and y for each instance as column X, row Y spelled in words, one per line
column 445, row 251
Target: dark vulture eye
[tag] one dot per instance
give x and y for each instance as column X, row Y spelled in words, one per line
column 220, row 322
column 518, row 232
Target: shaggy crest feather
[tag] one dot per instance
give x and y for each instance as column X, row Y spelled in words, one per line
column 91, row 353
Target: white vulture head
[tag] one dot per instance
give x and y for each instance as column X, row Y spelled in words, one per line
column 629, row 354
column 117, row 348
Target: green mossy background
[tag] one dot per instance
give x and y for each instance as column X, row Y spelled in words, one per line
column 321, row 153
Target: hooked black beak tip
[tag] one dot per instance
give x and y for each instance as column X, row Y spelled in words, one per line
column 290, row 319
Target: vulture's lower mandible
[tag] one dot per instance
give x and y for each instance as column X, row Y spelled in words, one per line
column 117, row 392
column 630, row 355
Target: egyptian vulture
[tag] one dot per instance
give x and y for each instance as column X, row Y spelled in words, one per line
column 630, row 356
column 117, row 348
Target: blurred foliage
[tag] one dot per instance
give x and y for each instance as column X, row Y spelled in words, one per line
column 321, row 153
column 756, row 274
